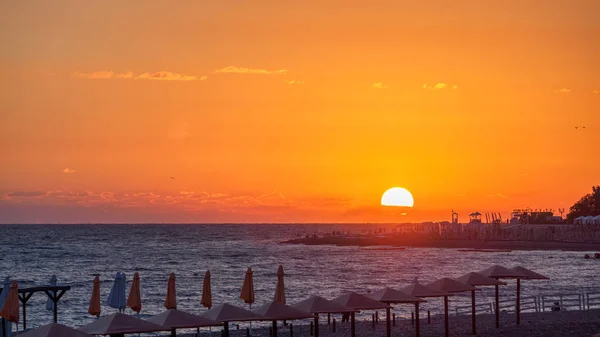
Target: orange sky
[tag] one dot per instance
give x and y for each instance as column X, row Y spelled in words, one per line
column 294, row 111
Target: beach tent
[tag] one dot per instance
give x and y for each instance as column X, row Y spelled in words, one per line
column 389, row 295
column 171, row 299
column 116, row 297
column 55, row 330
column 173, row 319
column 529, row 275
column 49, row 302
column 476, row 279
column 280, row 312
column 450, row 286
column 361, row 302
column 421, row 290
column 318, row 305
column 7, row 326
column 499, row 272
column 119, row 324
column 206, row 300
column 226, row 313
column 134, row 300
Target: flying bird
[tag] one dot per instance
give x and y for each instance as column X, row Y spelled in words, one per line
column 172, row 177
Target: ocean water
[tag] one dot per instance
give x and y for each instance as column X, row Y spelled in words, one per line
column 31, row 254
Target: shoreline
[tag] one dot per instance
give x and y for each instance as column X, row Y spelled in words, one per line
column 448, row 243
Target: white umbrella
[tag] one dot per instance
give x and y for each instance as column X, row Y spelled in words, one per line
column 49, row 302
column 3, row 296
column 116, row 297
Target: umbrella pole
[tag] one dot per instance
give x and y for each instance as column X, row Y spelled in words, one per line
column 316, row 325
column 473, row 319
column 226, row 329
column 518, row 301
column 388, row 321
column 274, row 328
column 497, row 308
column 417, row 319
column 447, row 329
column 352, row 325
column 173, row 333
column 3, row 327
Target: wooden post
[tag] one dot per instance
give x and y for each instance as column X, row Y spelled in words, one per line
column 373, row 321
column 388, row 322
column 352, row 325
column 417, row 327
column 226, row 329
column 275, row 328
column 328, row 319
column 316, row 325
column 173, row 333
column 23, row 298
column 270, row 331
column 291, row 330
column 446, row 327
column 394, row 319
column 473, row 312
column 518, row 301
column 247, row 332
column 334, row 325
column 497, row 308
column 428, row 317
column 412, row 317
column 312, row 329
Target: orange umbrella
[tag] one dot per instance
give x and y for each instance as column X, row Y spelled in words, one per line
column 171, row 300
column 206, row 293
column 280, row 290
column 10, row 310
column 134, row 301
column 248, row 288
column 94, row 308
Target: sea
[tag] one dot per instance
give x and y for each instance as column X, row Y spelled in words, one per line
column 31, row 254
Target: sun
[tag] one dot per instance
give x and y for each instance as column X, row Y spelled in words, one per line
column 397, row 196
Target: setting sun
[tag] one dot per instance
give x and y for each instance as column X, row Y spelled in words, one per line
column 397, row 196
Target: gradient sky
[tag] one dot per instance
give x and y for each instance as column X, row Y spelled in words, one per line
column 295, row 111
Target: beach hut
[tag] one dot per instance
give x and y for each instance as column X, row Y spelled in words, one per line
column 94, row 308
column 55, row 330
column 174, row 319
column 280, row 312
column 226, row 313
column 391, row 296
column 360, row 302
column 318, row 305
column 450, row 286
column 421, row 290
column 529, row 275
column 116, row 297
column 476, row 279
column 499, row 272
column 134, row 300
column 120, row 324
column 206, row 299
column 171, row 299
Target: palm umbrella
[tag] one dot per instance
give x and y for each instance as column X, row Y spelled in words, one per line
column 499, row 272
column 420, row 290
column 134, row 301
column 361, row 302
column 280, row 312
column 476, row 279
column 10, row 309
column 318, row 305
column 450, row 286
column 280, row 289
column 49, row 302
column 171, row 300
column 116, row 297
column 389, row 295
column 529, row 275
column 173, row 319
column 7, row 327
column 55, row 330
column 94, row 308
column 226, row 313
column 206, row 292
column 248, row 288
column 119, row 324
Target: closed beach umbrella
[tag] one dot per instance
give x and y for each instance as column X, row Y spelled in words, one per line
column 248, row 288
column 116, row 297
column 3, row 296
column 499, row 272
column 280, row 289
column 94, row 308
column 49, row 302
column 206, row 300
column 10, row 309
column 171, row 300
column 134, row 301
column 55, row 330
column 476, row 279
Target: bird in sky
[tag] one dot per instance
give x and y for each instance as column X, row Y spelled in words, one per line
column 172, row 177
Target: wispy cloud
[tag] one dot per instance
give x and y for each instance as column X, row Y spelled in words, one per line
column 562, row 90
column 597, row 91
column 27, row 194
column 68, row 170
column 244, row 70
column 158, row 75
column 439, row 86
column 379, row 85
column 294, row 82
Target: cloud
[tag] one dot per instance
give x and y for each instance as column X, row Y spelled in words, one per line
column 203, row 78
column 562, row 90
column 27, row 194
column 597, row 91
column 166, row 76
column 244, row 70
column 68, row 170
column 499, row 195
column 379, row 85
column 101, row 75
column 440, row 86
column 294, row 82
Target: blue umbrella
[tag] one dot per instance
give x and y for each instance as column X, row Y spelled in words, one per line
column 116, row 297
column 3, row 296
column 49, row 302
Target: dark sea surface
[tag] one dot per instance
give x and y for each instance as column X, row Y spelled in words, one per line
column 31, row 254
